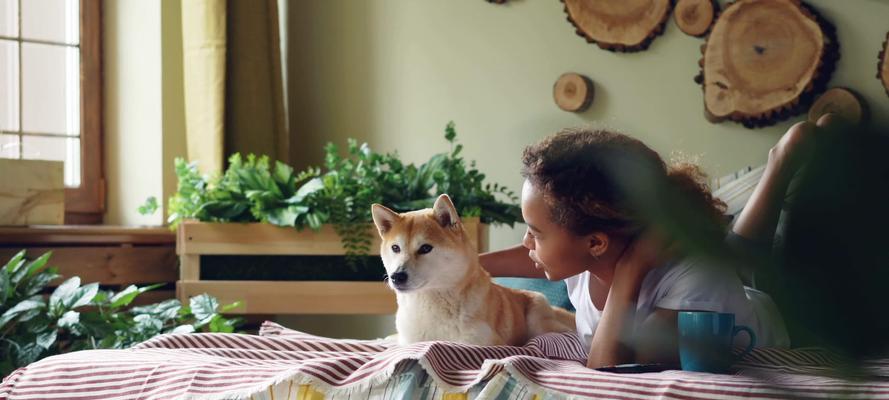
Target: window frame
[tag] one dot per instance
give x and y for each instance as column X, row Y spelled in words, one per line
column 86, row 204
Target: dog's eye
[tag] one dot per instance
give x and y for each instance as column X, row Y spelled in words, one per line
column 396, row 249
column 424, row 249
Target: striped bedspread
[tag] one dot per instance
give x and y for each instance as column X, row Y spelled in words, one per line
column 286, row 364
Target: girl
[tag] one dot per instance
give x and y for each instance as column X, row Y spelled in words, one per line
column 588, row 227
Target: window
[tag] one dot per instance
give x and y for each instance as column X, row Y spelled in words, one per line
column 50, row 94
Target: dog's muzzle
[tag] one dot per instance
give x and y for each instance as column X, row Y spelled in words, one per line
column 398, row 278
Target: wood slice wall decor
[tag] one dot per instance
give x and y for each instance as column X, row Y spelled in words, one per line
column 765, row 60
column 573, row 92
column 694, row 17
column 618, row 25
column 883, row 65
column 840, row 101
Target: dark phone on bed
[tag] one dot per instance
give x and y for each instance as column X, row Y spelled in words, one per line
column 637, row 368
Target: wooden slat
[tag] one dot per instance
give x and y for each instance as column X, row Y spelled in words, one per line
column 257, row 238
column 277, row 297
column 190, row 267
column 108, row 265
column 44, row 235
column 266, row 239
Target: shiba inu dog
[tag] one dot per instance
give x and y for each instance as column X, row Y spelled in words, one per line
column 444, row 293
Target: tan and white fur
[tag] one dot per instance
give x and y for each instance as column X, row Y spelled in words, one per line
column 442, row 290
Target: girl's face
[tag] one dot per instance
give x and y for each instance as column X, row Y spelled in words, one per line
column 553, row 248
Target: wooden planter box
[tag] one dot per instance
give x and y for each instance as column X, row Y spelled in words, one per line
column 196, row 239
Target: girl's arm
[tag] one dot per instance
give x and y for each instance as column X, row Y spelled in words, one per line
column 612, row 343
column 615, row 341
column 657, row 340
column 511, row 262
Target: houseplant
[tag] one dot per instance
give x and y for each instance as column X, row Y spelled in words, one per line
column 35, row 323
column 251, row 240
column 254, row 190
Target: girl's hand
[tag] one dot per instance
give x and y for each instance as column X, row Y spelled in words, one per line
column 647, row 251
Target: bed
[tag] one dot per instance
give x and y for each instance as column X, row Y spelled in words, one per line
column 280, row 363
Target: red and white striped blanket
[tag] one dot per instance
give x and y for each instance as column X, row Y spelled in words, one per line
column 217, row 366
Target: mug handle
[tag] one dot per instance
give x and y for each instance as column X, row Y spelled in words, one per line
column 738, row 329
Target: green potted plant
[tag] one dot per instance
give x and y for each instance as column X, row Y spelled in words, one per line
column 269, row 213
column 36, row 322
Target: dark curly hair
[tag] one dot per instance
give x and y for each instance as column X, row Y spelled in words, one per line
column 597, row 180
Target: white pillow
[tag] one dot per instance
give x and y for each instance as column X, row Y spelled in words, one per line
column 734, row 189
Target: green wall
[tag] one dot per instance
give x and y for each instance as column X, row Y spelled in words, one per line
column 393, row 72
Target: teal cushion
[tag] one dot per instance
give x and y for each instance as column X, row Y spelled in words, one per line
column 555, row 291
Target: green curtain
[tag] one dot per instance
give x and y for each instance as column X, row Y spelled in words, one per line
column 234, row 95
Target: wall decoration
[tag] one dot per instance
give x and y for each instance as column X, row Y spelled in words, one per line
column 496, row 1
column 573, row 92
column 883, row 65
column 765, row 60
column 618, row 25
column 694, row 17
column 841, row 101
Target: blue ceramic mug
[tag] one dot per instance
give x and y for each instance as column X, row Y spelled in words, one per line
column 705, row 341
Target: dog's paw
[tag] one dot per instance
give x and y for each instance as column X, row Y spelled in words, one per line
column 391, row 338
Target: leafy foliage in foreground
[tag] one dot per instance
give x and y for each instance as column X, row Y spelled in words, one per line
column 78, row 317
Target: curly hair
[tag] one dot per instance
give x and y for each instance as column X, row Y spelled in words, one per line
column 592, row 179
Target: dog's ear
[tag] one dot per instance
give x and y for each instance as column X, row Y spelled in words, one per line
column 384, row 218
column 445, row 212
